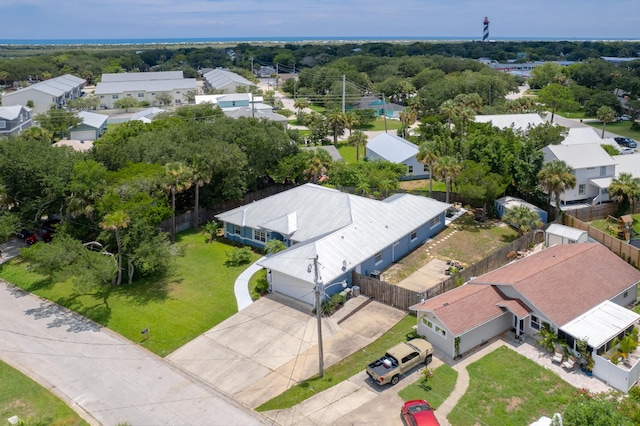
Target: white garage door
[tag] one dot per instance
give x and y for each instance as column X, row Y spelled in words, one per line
column 292, row 287
column 83, row 135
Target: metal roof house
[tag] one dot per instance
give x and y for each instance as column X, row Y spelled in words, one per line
column 579, row 290
column 346, row 232
column 397, row 150
column 55, row 92
column 143, row 87
column 517, row 121
column 226, row 81
column 505, row 203
column 92, row 126
column 14, row 119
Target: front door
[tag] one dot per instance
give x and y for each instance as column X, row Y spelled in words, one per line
column 518, row 324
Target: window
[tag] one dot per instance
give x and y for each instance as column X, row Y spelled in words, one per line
column 581, row 189
column 129, row 94
column 435, row 221
column 409, row 357
column 259, row 235
column 141, row 95
column 604, row 191
column 3, row 124
column 114, row 96
column 101, row 96
column 603, row 170
column 409, row 169
column 441, row 331
column 236, row 229
column 177, row 92
column 414, row 235
column 626, row 293
column 534, row 322
column 378, row 258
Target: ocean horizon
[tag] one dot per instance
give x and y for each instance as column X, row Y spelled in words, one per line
column 226, row 40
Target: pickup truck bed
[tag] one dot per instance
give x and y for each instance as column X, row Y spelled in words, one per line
column 380, row 369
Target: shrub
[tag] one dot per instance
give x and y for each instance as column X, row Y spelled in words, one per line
column 238, row 256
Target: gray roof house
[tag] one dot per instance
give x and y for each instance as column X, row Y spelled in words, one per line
column 593, row 167
column 345, row 232
column 146, row 115
column 226, row 81
column 562, row 287
column 143, row 87
column 256, row 113
column 55, row 92
column 92, row 126
column 397, row 150
column 517, row 121
column 14, row 119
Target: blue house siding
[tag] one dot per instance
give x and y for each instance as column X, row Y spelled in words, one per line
column 244, row 237
column 231, row 104
column 501, row 209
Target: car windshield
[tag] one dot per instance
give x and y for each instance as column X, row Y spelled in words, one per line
column 419, row 408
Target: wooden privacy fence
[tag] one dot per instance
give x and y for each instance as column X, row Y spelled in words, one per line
column 626, row 251
column 403, row 298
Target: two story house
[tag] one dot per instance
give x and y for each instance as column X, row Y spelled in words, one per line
column 14, row 119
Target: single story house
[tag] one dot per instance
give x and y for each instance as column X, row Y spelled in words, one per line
column 14, row 119
column 580, row 291
column 593, row 167
column 382, row 107
column 260, row 114
column 562, row 234
column 397, row 150
column 55, row 92
column 344, row 232
column 91, row 128
column 505, row 203
column 146, row 115
column 224, row 81
column 517, row 121
column 144, row 87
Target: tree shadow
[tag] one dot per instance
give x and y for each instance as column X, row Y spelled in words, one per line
column 509, row 238
column 62, row 317
column 148, row 290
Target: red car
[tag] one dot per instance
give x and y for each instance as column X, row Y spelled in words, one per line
column 418, row 413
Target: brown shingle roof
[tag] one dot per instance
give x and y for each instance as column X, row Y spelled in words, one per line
column 565, row 281
column 465, row 307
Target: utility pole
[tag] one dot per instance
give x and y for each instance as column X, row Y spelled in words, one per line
column 318, row 283
column 344, row 91
column 384, row 112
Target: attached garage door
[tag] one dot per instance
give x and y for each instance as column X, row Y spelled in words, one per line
column 83, row 135
column 292, row 287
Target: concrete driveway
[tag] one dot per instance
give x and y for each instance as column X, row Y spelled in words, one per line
column 271, row 345
column 104, row 377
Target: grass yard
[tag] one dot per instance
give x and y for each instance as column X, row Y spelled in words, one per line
column 342, row 370
column 506, row 388
column 379, row 125
column 20, row 396
column 422, row 185
column 622, row 128
column 197, row 295
column 472, row 242
column 435, row 390
column 572, row 114
column 348, row 152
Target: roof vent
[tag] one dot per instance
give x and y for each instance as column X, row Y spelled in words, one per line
column 445, row 304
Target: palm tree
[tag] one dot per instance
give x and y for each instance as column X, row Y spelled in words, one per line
column 522, row 218
column 202, row 173
column 555, row 177
column 115, row 222
column 447, row 168
column 316, row 168
column 407, row 118
column 179, row 178
column 606, row 114
column 300, row 104
column 428, row 155
column 337, row 121
column 625, row 190
column 449, row 109
column 351, row 120
column 357, row 139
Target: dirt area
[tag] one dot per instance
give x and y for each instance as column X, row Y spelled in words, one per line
column 464, row 240
column 409, row 185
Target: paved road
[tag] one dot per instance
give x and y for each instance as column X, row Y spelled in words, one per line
column 103, row 375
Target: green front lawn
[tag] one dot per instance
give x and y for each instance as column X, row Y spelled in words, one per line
column 379, row 125
column 348, row 152
column 195, row 297
column 343, row 369
column 506, row 388
column 622, row 128
column 435, row 390
column 20, row 396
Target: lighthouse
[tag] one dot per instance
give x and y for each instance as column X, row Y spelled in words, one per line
column 485, row 31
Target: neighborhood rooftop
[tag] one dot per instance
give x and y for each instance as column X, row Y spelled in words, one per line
column 504, row 121
column 392, row 148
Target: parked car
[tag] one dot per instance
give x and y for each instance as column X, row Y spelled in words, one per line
column 31, row 239
column 627, row 142
column 623, row 117
column 418, row 413
column 625, row 151
column 400, row 359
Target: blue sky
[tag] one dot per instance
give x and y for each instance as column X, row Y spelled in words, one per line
column 83, row 19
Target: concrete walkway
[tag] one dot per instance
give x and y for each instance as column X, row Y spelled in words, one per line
column 241, row 287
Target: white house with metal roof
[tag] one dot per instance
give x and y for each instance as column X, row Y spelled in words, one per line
column 224, row 81
column 14, row 119
column 144, row 87
column 397, row 150
column 346, row 232
column 517, row 121
column 593, row 167
column 43, row 95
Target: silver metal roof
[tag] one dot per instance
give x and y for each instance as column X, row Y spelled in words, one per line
column 342, row 229
column 12, row 112
column 392, row 148
column 504, row 121
column 579, row 156
column 142, row 76
column 564, row 231
column 92, row 119
column 117, row 87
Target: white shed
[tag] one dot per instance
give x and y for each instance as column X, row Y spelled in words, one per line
column 561, row 234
